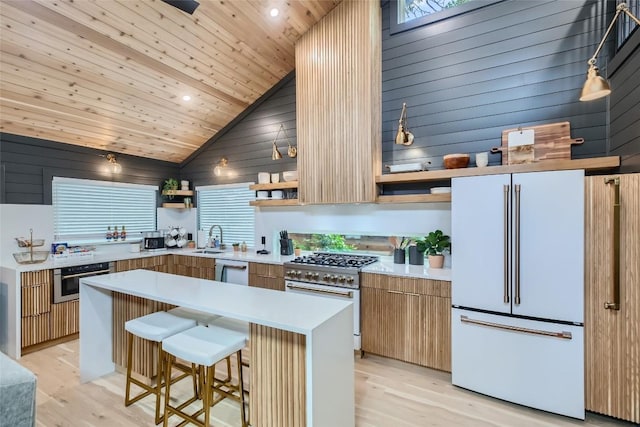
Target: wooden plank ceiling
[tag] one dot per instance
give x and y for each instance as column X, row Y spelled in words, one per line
column 111, row 74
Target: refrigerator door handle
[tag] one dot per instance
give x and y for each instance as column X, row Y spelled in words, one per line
column 506, row 244
column 615, row 246
column 517, row 248
column 562, row 335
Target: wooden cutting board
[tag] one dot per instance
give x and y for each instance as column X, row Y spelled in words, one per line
column 551, row 142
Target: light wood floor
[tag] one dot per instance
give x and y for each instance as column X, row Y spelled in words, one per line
column 388, row 394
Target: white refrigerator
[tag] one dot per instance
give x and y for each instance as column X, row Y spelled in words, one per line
column 518, row 288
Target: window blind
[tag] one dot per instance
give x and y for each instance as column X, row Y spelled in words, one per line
column 85, row 208
column 227, row 206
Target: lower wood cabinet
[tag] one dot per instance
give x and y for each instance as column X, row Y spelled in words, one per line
column 65, row 319
column 201, row 268
column 408, row 319
column 268, row 276
column 612, row 335
column 36, row 307
column 154, row 263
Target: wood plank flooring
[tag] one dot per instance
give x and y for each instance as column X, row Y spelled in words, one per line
column 388, row 394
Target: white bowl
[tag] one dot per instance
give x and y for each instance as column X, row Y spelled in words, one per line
column 277, row 194
column 261, row 195
column 290, row 175
column 264, row 177
column 440, row 190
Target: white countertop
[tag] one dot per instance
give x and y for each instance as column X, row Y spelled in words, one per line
column 50, row 263
column 385, row 265
column 282, row 310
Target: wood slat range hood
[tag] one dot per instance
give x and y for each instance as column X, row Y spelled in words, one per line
column 338, row 105
column 111, row 74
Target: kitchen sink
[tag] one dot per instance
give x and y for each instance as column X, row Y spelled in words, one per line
column 209, row 251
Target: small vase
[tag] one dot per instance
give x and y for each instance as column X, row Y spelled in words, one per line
column 436, row 261
column 415, row 256
column 399, row 256
column 297, row 251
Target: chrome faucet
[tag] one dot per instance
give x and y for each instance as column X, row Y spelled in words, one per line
column 222, row 246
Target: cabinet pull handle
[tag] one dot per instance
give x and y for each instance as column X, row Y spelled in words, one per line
column 348, row 294
column 506, row 244
column 615, row 244
column 395, row 292
column 236, row 267
column 563, row 335
column 517, row 251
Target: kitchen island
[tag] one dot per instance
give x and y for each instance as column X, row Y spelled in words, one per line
column 315, row 332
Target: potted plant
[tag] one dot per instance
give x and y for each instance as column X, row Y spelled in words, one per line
column 170, row 184
column 435, row 244
column 297, row 248
column 236, row 247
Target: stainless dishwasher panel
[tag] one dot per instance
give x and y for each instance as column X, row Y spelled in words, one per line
column 231, row 271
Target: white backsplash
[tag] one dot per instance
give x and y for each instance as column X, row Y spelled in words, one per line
column 186, row 218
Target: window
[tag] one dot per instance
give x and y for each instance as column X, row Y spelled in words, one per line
column 227, row 206
column 83, row 209
column 408, row 14
column 626, row 26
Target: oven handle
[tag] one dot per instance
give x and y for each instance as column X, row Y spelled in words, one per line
column 348, row 294
column 88, row 273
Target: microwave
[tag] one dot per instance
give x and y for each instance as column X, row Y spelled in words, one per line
column 153, row 243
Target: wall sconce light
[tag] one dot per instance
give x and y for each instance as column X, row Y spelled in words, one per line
column 291, row 151
column 222, row 163
column 114, row 166
column 596, row 86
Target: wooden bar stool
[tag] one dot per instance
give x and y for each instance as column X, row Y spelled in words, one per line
column 155, row 327
column 241, row 327
column 204, row 346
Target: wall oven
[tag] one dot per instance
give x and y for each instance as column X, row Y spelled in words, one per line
column 66, row 281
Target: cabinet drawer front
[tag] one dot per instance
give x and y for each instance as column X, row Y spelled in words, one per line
column 411, row 285
column 527, row 368
column 36, row 299
column 36, row 329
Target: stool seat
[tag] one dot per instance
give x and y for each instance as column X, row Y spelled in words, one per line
column 200, row 317
column 158, row 326
column 236, row 325
column 204, row 346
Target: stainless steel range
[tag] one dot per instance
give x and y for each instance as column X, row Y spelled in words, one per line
column 329, row 275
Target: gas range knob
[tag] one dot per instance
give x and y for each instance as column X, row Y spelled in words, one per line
column 308, row 275
column 334, row 279
column 341, row 279
column 326, row 277
column 298, row 274
column 289, row 273
column 315, row 276
column 349, row 279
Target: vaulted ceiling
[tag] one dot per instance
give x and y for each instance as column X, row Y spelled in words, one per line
column 111, row 74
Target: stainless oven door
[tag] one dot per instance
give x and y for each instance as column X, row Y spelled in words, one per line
column 66, row 281
column 335, row 292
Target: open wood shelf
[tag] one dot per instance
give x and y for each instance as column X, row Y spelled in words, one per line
column 275, row 202
column 591, row 164
column 274, row 186
column 177, row 192
column 414, row 198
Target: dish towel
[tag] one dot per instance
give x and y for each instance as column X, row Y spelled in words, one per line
column 221, row 273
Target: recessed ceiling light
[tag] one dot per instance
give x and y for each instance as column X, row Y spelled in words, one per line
column 186, row 98
column 274, row 12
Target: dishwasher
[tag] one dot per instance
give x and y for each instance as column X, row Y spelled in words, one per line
column 232, row 271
